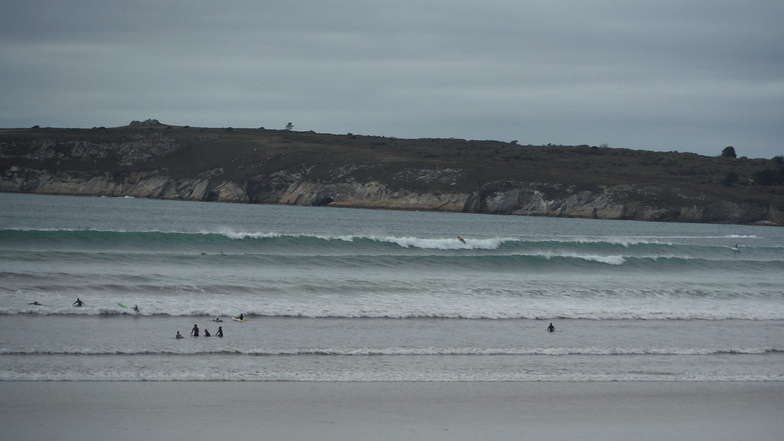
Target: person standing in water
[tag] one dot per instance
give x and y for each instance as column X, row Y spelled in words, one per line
column 78, row 302
column 551, row 328
column 195, row 331
column 220, row 332
column 178, row 336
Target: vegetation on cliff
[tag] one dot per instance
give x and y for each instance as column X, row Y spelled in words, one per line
column 256, row 160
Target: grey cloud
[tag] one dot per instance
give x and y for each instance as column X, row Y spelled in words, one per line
column 670, row 75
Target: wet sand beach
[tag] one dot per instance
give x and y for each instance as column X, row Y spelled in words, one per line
column 391, row 410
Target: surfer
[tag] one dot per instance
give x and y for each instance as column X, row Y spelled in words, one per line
column 35, row 302
column 207, row 333
column 551, row 328
column 240, row 317
column 78, row 302
column 217, row 320
column 220, row 332
column 460, row 238
column 178, row 336
column 195, row 331
column 136, row 308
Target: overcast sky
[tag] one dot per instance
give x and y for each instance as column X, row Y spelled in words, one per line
column 691, row 76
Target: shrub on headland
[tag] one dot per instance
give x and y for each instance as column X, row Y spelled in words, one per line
column 147, row 122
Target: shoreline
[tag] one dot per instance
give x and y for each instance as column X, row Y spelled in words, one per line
column 88, row 410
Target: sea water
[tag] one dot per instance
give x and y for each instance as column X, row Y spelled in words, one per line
column 369, row 295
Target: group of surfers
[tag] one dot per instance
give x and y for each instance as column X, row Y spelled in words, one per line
column 195, row 332
column 79, row 303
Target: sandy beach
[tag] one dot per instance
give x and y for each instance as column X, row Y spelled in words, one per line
column 393, row 411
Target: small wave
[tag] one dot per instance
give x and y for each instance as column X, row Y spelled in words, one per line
column 602, row 312
column 610, row 260
column 371, row 352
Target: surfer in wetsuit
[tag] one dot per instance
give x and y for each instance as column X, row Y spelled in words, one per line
column 35, row 302
column 178, row 336
column 195, row 331
column 78, row 302
column 207, row 333
column 136, row 308
column 551, row 328
column 220, row 332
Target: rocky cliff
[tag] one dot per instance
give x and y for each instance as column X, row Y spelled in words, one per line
column 207, row 166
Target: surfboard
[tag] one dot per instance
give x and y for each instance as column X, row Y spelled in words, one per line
column 122, row 306
column 237, row 319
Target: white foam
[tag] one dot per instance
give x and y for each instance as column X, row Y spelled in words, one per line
column 231, row 234
column 445, row 244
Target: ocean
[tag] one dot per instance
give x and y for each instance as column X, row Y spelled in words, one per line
column 370, row 295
